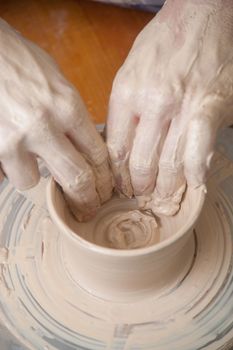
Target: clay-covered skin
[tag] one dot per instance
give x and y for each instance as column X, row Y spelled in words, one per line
column 170, row 97
column 43, row 115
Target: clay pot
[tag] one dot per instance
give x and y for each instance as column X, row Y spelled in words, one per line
column 119, row 274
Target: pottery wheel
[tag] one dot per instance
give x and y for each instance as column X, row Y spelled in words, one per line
column 42, row 307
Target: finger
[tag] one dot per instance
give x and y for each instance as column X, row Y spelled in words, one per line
column 199, row 150
column 144, row 156
column 121, row 128
column 73, row 173
column 21, row 169
column 85, row 137
column 171, row 183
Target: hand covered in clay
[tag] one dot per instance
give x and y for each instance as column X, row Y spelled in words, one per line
column 42, row 115
column 173, row 93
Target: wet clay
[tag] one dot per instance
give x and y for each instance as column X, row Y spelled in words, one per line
column 119, row 224
column 124, row 253
column 122, row 224
column 51, row 279
column 130, row 230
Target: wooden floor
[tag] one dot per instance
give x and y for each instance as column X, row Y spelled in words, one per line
column 89, row 40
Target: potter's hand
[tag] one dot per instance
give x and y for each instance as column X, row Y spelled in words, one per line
column 42, row 115
column 174, row 91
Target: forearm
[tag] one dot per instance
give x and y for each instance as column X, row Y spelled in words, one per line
column 176, row 8
column 180, row 3
column 184, row 17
